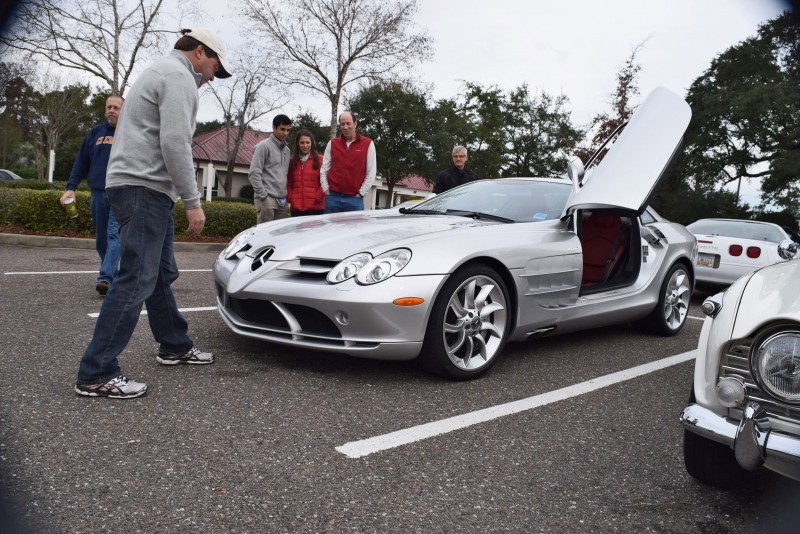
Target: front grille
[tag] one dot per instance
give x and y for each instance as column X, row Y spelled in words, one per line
column 288, row 318
column 736, row 363
column 308, row 268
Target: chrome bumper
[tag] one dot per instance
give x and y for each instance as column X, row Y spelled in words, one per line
column 752, row 439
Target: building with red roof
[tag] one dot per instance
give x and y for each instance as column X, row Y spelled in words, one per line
column 210, row 157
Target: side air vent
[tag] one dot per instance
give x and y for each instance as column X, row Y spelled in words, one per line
column 261, row 258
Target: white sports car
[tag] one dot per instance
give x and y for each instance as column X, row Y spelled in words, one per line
column 452, row 279
column 731, row 248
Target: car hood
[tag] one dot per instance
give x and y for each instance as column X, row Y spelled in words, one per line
column 632, row 168
column 772, row 293
column 340, row 235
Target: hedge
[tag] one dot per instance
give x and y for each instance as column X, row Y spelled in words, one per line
column 39, row 185
column 41, row 211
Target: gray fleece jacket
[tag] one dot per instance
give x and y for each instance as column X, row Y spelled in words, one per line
column 153, row 142
column 269, row 168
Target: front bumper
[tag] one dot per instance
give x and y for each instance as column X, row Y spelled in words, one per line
column 754, row 442
column 280, row 305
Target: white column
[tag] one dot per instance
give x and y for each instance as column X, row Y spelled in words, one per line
column 51, row 166
column 209, row 177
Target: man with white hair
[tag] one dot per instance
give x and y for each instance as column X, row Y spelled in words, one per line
column 457, row 174
column 150, row 168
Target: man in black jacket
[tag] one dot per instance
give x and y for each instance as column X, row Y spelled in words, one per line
column 457, row 174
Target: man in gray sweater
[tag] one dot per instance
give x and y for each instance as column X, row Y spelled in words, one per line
column 269, row 169
column 150, row 167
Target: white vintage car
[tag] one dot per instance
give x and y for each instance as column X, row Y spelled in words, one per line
column 744, row 410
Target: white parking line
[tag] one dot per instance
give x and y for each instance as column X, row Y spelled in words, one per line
column 182, row 310
column 357, row 449
column 95, row 272
column 697, row 318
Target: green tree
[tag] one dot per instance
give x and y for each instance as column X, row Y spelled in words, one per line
column 746, row 121
column 484, row 110
column 208, row 126
column 307, row 120
column 538, row 132
column 447, row 127
column 394, row 116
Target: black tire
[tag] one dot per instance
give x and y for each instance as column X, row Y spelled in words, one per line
column 466, row 334
column 712, row 463
column 669, row 315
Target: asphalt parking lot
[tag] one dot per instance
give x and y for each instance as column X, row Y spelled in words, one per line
column 270, row 439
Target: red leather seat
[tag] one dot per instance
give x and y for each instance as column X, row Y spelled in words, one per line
column 600, row 234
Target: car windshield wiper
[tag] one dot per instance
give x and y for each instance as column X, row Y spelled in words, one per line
column 414, row 211
column 479, row 215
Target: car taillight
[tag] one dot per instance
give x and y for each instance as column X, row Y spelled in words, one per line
column 753, row 252
column 735, row 250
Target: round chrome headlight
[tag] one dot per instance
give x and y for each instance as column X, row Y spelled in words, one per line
column 384, row 266
column 348, row 267
column 776, row 363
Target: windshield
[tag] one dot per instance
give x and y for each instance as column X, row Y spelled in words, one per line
column 738, row 229
column 515, row 200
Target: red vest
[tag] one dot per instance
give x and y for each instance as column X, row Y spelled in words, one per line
column 305, row 193
column 348, row 165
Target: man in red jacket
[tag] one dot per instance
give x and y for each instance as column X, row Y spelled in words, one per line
column 348, row 168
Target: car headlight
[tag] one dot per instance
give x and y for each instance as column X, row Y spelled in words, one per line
column 348, row 267
column 239, row 243
column 776, row 363
column 384, row 266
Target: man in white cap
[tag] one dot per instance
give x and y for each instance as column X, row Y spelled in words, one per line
column 150, row 167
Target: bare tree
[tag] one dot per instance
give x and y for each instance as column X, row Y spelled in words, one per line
column 325, row 45
column 242, row 102
column 101, row 37
column 603, row 125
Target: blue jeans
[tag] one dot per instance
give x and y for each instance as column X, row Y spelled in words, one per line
column 337, row 202
column 146, row 272
column 107, row 231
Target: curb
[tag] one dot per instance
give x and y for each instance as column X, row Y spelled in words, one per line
column 88, row 243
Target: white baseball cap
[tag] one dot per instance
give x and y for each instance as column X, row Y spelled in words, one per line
column 213, row 43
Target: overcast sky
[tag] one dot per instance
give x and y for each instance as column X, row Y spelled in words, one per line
column 574, row 47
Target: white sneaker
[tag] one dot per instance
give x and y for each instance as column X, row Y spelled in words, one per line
column 194, row 357
column 121, row 387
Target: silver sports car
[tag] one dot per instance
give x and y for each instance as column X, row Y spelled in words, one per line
column 454, row 278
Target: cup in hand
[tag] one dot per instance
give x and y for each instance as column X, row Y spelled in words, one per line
column 71, row 207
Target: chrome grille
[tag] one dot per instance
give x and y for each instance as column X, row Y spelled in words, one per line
column 736, row 363
column 311, row 268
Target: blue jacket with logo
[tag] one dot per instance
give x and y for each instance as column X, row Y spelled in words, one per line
column 92, row 159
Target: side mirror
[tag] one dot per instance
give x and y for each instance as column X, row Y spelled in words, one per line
column 575, row 171
column 787, row 249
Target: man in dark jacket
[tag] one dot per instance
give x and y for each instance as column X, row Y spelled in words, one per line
column 91, row 164
column 457, row 174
